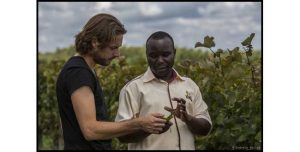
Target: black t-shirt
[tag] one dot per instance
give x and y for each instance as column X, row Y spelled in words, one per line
column 75, row 74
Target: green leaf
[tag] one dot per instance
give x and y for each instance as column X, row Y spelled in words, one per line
column 235, row 54
column 169, row 117
column 220, row 119
column 208, row 42
column 248, row 40
column 216, row 64
column 230, row 52
column 249, row 53
column 227, row 61
column 220, row 51
column 238, row 57
column 258, row 137
column 199, row 44
column 236, row 50
column 241, row 138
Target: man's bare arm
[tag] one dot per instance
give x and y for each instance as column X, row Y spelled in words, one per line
column 198, row 126
column 84, row 107
column 141, row 135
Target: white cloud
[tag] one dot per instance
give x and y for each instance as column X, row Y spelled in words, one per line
column 208, row 9
column 240, row 5
column 186, row 22
column 228, row 9
column 43, row 39
column 67, row 14
column 150, row 9
column 41, row 13
column 103, row 6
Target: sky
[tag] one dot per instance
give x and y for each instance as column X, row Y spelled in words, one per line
column 187, row 22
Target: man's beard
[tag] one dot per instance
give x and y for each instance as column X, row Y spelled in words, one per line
column 99, row 60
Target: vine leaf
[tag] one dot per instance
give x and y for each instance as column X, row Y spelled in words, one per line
column 208, row 42
column 249, row 53
column 236, row 55
column 219, row 51
column 248, row 40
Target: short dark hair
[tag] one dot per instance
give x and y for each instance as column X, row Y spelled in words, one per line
column 103, row 27
column 160, row 35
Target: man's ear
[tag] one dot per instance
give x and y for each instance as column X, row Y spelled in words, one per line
column 94, row 43
column 174, row 51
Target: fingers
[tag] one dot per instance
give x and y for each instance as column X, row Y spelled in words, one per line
column 180, row 109
column 156, row 124
column 155, row 131
column 155, row 128
column 181, row 115
column 158, row 128
column 183, row 112
column 158, row 118
column 179, row 100
column 181, row 106
column 183, row 101
column 158, row 115
column 153, row 123
column 159, row 125
column 176, row 99
column 167, row 127
column 169, row 109
column 169, row 123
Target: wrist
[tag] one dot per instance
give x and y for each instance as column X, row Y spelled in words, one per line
column 138, row 123
column 189, row 118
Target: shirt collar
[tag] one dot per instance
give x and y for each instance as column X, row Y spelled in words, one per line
column 148, row 76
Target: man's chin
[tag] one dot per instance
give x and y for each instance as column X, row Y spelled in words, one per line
column 106, row 63
column 161, row 74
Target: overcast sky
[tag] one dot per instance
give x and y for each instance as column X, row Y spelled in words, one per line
column 186, row 22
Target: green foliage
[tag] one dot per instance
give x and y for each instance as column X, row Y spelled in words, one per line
column 226, row 86
column 248, row 40
column 49, row 130
column 208, row 42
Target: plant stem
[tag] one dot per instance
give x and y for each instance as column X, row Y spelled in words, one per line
column 212, row 51
column 251, row 67
column 214, row 57
column 219, row 60
column 221, row 66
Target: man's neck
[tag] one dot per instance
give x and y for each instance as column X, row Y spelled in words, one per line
column 170, row 77
column 88, row 59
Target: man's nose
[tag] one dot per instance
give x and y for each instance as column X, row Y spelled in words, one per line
column 160, row 59
column 116, row 53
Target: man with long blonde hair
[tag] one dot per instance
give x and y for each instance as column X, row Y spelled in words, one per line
column 80, row 98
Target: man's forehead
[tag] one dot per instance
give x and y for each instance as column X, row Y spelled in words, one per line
column 164, row 42
column 161, row 40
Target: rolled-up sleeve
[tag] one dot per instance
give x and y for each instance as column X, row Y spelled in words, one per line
column 200, row 107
